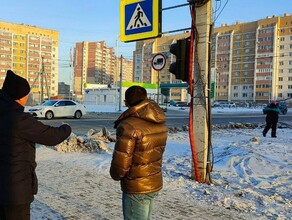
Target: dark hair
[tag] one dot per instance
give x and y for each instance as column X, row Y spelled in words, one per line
column 273, row 105
column 135, row 94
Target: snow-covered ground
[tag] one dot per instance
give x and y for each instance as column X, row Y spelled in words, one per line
column 251, row 180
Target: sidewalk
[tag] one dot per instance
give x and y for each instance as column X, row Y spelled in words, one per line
column 70, row 191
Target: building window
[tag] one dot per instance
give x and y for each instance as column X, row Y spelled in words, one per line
column 237, row 44
column 247, row 43
column 248, row 35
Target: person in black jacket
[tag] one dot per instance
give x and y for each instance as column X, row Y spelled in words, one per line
column 271, row 119
column 19, row 132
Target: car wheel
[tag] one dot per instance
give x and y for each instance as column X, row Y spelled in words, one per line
column 78, row 114
column 49, row 115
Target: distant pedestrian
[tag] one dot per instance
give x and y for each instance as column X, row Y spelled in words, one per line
column 271, row 119
column 19, row 132
column 137, row 157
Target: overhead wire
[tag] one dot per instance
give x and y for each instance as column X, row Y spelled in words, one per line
column 221, row 10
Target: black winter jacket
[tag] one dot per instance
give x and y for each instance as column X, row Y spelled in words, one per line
column 19, row 132
column 272, row 115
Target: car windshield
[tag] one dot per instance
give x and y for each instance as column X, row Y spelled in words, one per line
column 49, row 103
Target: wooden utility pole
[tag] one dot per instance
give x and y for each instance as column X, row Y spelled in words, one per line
column 201, row 118
column 41, row 76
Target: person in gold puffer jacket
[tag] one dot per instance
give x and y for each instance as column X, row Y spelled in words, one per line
column 137, row 157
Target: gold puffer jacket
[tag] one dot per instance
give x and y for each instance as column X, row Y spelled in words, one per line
column 137, row 157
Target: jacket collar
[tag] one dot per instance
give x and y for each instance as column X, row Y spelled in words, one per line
column 147, row 110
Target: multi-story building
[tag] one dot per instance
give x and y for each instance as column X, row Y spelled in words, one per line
column 251, row 62
column 32, row 53
column 127, row 70
column 94, row 63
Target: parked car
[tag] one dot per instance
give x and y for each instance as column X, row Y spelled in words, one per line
column 58, row 108
column 163, row 106
column 232, row 105
column 282, row 105
column 220, row 104
column 224, row 104
column 181, row 104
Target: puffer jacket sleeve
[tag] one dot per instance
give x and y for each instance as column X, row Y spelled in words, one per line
column 35, row 131
column 123, row 152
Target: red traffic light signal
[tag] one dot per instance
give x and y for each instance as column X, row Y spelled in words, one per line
column 180, row 68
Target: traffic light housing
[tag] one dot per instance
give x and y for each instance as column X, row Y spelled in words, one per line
column 180, row 68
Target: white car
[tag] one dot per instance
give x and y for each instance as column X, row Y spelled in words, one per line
column 58, row 108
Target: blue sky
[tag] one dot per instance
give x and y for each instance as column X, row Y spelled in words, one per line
column 97, row 20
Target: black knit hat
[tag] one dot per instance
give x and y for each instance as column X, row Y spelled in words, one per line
column 15, row 86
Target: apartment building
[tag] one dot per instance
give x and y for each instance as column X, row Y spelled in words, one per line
column 127, row 70
column 250, row 62
column 32, row 53
column 253, row 61
column 95, row 63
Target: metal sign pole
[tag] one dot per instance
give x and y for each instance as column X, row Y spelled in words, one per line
column 158, row 82
column 120, row 90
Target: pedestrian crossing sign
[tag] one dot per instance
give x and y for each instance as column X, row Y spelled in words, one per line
column 140, row 19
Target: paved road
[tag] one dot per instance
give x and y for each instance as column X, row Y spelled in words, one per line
column 174, row 119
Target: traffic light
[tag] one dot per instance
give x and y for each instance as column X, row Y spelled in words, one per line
column 180, row 68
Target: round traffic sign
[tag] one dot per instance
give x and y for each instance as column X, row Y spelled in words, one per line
column 158, row 61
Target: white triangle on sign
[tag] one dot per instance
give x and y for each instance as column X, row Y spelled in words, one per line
column 138, row 19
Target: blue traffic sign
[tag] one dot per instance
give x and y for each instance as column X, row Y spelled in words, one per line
column 140, row 19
